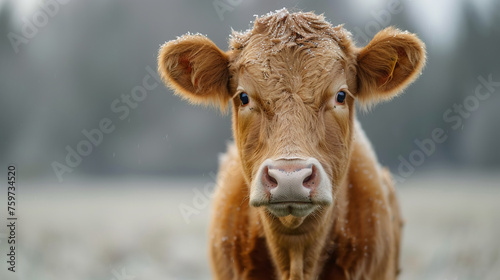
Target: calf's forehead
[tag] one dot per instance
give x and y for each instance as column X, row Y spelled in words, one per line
column 291, row 52
column 303, row 70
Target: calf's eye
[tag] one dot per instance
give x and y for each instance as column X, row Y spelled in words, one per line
column 340, row 97
column 244, row 98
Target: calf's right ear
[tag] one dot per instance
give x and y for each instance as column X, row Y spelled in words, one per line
column 196, row 69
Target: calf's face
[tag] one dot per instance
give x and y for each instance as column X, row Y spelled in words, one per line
column 292, row 118
column 292, row 81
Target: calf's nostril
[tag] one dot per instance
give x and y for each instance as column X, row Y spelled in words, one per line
column 310, row 181
column 270, row 180
column 307, row 179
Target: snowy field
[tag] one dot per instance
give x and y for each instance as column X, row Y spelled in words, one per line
column 133, row 229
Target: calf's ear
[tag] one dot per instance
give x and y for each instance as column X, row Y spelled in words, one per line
column 196, row 70
column 388, row 64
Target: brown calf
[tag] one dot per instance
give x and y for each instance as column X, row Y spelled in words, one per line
column 300, row 194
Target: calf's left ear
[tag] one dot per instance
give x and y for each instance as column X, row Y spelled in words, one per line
column 388, row 64
column 196, row 69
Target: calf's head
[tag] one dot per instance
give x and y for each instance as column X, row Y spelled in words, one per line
column 293, row 81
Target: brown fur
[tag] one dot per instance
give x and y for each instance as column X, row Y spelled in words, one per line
column 292, row 66
column 196, row 68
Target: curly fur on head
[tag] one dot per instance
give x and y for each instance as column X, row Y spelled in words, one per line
column 291, row 30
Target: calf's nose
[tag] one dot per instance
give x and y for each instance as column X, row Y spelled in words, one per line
column 289, row 181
